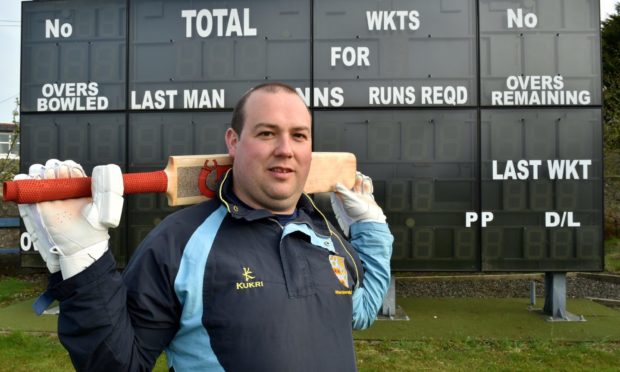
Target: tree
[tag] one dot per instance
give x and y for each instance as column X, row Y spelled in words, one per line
column 610, row 45
column 10, row 166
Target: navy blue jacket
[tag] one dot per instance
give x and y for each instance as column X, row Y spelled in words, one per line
column 219, row 286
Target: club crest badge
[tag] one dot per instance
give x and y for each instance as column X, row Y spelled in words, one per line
column 339, row 269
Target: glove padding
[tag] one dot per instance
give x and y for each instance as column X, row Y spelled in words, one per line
column 72, row 234
column 39, row 236
column 356, row 205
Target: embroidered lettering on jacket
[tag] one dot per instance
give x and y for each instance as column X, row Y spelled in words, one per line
column 339, row 268
column 247, row 275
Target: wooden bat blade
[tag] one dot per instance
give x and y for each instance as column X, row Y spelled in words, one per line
column 194, row 178
column 186, row 180
column 327, row 169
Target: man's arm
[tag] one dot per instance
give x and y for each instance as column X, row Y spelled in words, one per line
column 362, row 219
column 106, row 321
column 112, row 322
column 373, row 243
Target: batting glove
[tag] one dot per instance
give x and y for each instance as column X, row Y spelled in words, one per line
column 72, row 234
column 357, row 204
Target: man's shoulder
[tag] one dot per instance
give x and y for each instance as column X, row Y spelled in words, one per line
column 193, row 214
column 165, row 244
column 179, row 226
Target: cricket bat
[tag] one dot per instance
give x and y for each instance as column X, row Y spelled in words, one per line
column 186, row 180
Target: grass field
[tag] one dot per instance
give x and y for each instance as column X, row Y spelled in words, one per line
column 480, row 355
column 27, row 353
column 442, row 342
column 16, row 289
column 21, row 352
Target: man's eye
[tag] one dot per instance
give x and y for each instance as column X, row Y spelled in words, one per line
column 265, row 134
column 300, row 136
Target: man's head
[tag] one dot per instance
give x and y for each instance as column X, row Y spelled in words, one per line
column 238, row 115
column 270, row 140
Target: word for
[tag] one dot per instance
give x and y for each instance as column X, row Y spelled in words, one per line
column 432, row 95
column 350, row 56
column 165, row 99
column 538, row 90
column 71, row 97
column 555, row 219
column 227, row 22
column 53, row 28
column 558, row 169
column 518, row 20
column 393, row 20
column 485, row 218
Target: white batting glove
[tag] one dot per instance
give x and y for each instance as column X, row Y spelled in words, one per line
column 40, row 238
column 356, row 205
column 72, row 234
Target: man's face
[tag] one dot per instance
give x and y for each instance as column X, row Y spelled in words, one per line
column 273, row 153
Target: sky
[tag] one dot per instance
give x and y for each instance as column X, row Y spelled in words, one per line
column 10, row 16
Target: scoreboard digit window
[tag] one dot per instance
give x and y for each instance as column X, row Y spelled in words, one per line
column 478, row 120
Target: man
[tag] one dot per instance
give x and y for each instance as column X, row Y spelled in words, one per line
column 255, row 279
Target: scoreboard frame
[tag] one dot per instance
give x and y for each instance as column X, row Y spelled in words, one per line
column 480, row 121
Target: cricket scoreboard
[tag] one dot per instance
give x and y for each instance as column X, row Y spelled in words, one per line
column 478, row 120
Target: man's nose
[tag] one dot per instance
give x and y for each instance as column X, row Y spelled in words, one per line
column 284, row 147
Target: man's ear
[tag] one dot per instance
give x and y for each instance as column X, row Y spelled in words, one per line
column 232, row 138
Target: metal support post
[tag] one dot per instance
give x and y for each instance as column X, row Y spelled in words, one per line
column 555, row 299
column 389, row 310
column 389, row 302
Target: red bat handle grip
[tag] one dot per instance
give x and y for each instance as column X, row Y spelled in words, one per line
column 35, row 191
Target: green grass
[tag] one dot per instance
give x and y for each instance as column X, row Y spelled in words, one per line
column 612, row 255
column 446, row 335
column 22, row 352
column 30, row 353
column 474, row 355
column 492, row 319
column 17, row 289
column 26, row 351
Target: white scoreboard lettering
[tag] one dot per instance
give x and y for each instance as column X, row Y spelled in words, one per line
column 53, row 29
column 219, row 22
column 393, row 20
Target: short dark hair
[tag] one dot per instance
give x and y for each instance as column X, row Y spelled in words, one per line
column 238, row 115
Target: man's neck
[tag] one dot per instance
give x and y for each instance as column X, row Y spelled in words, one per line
column 283, row 215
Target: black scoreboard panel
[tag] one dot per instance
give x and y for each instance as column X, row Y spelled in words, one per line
column 479, row 120
column 93, row 138
column 206, row 66
column 557, row 38
column 424, row 169
column 377, row 62
column 94, row 52
column 152, row 138
column 534, row 225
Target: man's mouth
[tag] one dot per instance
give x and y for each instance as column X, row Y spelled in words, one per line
column 280, row 170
